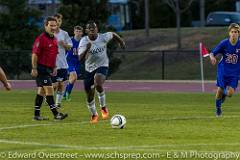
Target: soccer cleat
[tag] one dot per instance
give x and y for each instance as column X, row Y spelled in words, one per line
column 94, row 119
column 105, row 113
column 58, row 106
column 60, row 116
column 68, row 98
column 39, row 118
column 218, row 112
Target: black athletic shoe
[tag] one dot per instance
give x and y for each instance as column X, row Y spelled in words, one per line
column 58, row 106
column 60, row 116
column 39, row 118
column 218, row 112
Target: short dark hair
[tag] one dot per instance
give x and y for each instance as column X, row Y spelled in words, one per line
column 50, row 18
column 78, row 28
column 58, row 15
column 91, row 23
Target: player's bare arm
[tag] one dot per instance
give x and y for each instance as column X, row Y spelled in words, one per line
column 213, row 59
column 83, row 56
column 34, row 71
column 65, row 46
column 119, row 40
column 4, row 80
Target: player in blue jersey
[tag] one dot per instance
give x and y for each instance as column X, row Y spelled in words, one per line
column 73, row 62
column 229, row 66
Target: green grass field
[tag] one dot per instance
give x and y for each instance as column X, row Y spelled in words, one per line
column 169, row 125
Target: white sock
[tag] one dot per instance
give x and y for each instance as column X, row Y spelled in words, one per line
column 102, row 99
column 59, row 97
column 92, row 108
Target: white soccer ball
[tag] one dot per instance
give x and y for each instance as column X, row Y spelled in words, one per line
column 118, row 121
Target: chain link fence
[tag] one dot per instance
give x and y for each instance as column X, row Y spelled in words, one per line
column 16, row 64
column 135, row 65
column 163, row 65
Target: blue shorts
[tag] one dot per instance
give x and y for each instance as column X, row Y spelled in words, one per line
column 89, row 77
column 62, row 75
column 224, row 81
column 74, row 67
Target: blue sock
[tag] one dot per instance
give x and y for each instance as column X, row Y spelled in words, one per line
column 70, row 87
column 64, row 95
column 225, row 91
column 218, row 103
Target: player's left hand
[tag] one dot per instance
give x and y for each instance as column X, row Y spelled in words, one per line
column 34, row 72
column 122, row 45
column 8, row 86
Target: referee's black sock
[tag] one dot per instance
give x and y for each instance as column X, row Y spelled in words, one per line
column 38, row 103
column 50, row 101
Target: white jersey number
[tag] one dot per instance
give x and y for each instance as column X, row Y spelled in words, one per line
column 231, row 58
column 75, row 52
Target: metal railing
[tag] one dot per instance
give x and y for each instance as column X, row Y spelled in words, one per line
column 135, row 64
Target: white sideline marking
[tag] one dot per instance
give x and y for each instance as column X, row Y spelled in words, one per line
column 36, row 125
column 139, row 120
column 145, row 147
column 186, row 118
column 24, row 126
column 113, row 147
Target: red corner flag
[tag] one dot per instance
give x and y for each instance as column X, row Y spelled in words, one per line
column 203, row 50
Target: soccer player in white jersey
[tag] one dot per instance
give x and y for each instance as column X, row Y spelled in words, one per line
column 93, row 49
column 64, row 44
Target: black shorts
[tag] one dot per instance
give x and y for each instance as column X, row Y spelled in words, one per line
column 43, row 80
column 62, row 75
column 44, row 76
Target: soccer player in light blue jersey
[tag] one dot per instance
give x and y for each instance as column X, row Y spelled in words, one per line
column 229, row 66
column 73, row 62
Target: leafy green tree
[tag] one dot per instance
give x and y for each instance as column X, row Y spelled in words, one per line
column 18, row 30
column 17, row 24
column 77, row 12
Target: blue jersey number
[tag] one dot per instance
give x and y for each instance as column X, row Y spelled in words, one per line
column 231, row 58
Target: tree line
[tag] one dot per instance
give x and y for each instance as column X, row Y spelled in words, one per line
column 19, row 23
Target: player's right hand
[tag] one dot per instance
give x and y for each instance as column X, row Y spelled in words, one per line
column 89, row 45
column 213, row 60
column 61, row 43
column 34, row 73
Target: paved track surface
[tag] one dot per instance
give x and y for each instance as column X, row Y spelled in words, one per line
column 155, row 86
